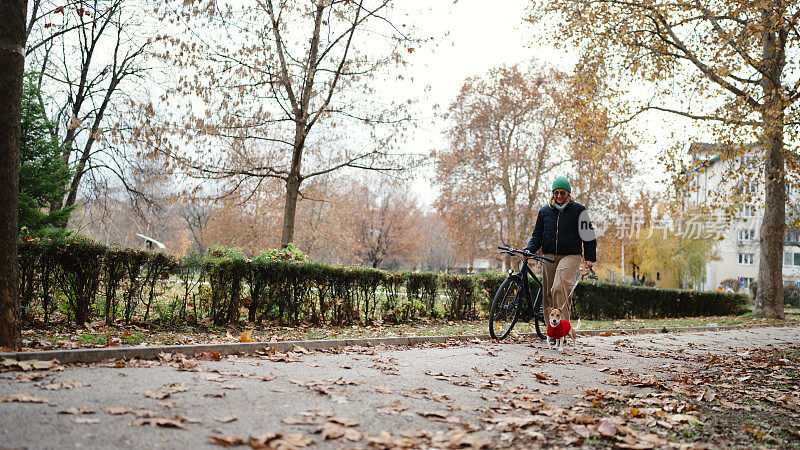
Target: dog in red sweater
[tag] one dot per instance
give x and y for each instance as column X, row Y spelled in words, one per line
column 558, row 329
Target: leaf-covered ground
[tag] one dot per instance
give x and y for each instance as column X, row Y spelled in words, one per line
column 98, row 335
column 726, row 389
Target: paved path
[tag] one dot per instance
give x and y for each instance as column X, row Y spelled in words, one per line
column 423, row 391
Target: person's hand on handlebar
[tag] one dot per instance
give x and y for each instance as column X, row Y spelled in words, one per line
column 529, row 255
column 589, row 264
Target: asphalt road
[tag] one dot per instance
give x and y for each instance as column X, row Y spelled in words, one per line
column 419, row 392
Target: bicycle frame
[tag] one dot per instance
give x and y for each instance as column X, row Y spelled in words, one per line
column 523, row 306
column 529, row 306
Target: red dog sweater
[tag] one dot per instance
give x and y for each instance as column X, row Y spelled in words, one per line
column 559, row 331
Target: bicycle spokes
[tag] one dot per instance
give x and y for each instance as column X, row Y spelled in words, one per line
column 504, row 310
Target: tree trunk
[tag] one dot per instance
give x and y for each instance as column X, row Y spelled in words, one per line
column 293, row 183
column 290, row 209
column 12, row 54
column 769, row 296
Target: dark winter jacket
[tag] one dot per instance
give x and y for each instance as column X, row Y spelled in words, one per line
column 558, row 232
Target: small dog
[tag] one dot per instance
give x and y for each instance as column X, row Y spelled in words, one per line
column 559, row 329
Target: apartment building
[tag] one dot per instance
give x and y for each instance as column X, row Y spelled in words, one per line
column 736, row 255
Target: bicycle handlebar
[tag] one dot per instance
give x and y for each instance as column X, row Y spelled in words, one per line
column 525, row 253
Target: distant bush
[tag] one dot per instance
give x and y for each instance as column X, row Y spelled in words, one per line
column 730, row 283
column 462, row 295
column 791, row 293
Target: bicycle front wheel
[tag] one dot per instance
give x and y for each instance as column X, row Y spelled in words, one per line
column 505, row 308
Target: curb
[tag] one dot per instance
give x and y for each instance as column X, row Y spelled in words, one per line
column 94, row 355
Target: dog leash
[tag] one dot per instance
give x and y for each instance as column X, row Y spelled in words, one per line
column 592, row 276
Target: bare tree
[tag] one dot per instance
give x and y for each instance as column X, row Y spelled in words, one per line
column 12, row 53
column 196, row 214
column 504, row 141
column 277, row 99
column 88, row 55
column 436, row 249
column 384, row 225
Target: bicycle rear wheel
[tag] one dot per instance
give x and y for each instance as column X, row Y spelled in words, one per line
column 539, row 320
column 505, row 308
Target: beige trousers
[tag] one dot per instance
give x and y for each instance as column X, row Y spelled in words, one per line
column 558, row 279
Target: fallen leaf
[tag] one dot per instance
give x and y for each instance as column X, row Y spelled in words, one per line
column 229, row 441
column 86, row 421
column 27, row 377
column 300, row 349
column 158, row 395
column 246, row 336
column 226, row 419
column 331, row 430
column 279, row 441
column 607, row 428
column 175, row 422
column 117, row 410
column 210, row 356
column 417, row 433
column 344, row 421
column 300, row 421
column 707, row 395
column 458, row 439
column 678, row 418
column 25, row 398
column 45, row 365
column 66, row 384
column 581, row 430
column 439, row 416
column 78, row 410
column 384, row 439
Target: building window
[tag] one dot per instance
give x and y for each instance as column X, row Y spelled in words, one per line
column 747, row 187
column 746, row 259
column 746, row 236
column 745, row 282
column 748, row 211
column 791, row 259
column 749, row 161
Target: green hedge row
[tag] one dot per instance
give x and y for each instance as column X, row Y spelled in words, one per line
column 613, row 301
column 86, row 281
column 599, row 301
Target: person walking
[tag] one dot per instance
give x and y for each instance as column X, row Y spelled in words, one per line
column 564, row 232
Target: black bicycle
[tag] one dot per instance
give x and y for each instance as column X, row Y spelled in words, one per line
column 512, row 302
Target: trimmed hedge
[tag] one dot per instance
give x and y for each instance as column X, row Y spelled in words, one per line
column 88, row 281
column 598, row 300
column 614, row 301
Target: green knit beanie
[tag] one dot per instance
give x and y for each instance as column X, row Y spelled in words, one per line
column 562, row 183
